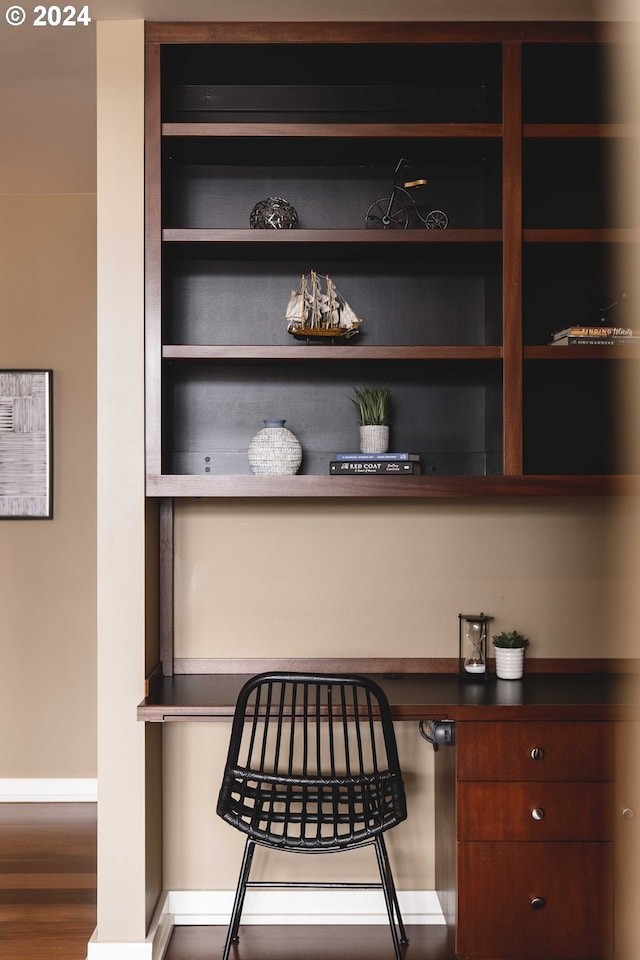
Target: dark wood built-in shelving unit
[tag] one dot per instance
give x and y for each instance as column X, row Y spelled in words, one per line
column 512, row 126
column 458, row 321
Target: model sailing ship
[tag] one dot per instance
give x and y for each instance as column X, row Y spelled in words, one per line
column 316, row 311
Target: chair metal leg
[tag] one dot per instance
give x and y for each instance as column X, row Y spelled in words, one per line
column 238, row 903
column 392, row 888
column 390, row 897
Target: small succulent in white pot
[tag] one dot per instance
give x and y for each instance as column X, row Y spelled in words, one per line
column 510, row 647
column 374, row 413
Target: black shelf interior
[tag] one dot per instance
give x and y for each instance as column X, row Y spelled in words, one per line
column 349, row 83
column 569, row 284
column 570, row 418
column 427, row 296
column 569, row 83
column 215, row 182
column 449, row 412
column 564, row 185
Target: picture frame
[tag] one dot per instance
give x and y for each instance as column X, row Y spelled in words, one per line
column 26, row 444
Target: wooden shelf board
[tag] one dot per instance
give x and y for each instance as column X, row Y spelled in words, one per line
column 210, row 235
column 333, row 130
column 580, row 235
column 173, row 485
column 469, row 130
column 321, row 352
column 580, row 130
column 369, row 32
column 586, row 352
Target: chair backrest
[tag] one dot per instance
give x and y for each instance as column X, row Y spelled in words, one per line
column 312, row 762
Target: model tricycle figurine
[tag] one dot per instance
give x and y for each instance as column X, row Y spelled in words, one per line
column 396, row 211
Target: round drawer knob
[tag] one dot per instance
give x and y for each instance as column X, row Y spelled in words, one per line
column 537, row 813
column 628, row 813
column 537, row 753
column 538, row 903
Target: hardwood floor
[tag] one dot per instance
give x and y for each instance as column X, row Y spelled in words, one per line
column 427, row 942
column 48, row 903
column 47, row 880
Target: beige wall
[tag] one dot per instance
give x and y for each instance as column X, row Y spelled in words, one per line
column 47, row 567
column 389, row 579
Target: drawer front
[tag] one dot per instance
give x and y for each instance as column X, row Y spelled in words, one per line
column 535, row 811
column 521, row 750
column 535, row 901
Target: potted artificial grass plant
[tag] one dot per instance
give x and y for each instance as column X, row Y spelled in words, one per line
column 374, row 411
column 509, row 646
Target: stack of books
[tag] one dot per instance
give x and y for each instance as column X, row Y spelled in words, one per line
column 378, row 464
column 591, row 336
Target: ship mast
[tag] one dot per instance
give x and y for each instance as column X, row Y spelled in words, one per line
column 315, row 304
column 303, row 299
column 330, row 304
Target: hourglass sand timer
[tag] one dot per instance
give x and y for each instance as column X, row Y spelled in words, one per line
column 472, row 645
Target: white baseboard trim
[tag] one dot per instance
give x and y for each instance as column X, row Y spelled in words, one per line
column 112, row 950
column 48, row 790
column 153, row 947
column 313, row 907
column 189, row 907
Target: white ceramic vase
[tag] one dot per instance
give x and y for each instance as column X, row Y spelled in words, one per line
column 509, row 662
column 274, row 451
column 374, row 438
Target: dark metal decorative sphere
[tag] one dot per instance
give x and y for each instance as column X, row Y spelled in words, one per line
column 274, row 213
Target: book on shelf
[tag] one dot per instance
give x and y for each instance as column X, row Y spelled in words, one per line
column 388, row 468
column 580, row 341
column 617, row 333
column 377, row 456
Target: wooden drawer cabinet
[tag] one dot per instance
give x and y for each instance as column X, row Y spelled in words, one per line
column 533, row 837
column 535, row 811
column 537, row 901
column 521, row 750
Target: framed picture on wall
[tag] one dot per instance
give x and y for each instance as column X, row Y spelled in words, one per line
column 25, row 445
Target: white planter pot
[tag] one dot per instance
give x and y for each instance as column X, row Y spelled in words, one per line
column 509, row 663
column 374, row 438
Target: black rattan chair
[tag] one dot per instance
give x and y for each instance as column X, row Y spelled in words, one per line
column 313, row 768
